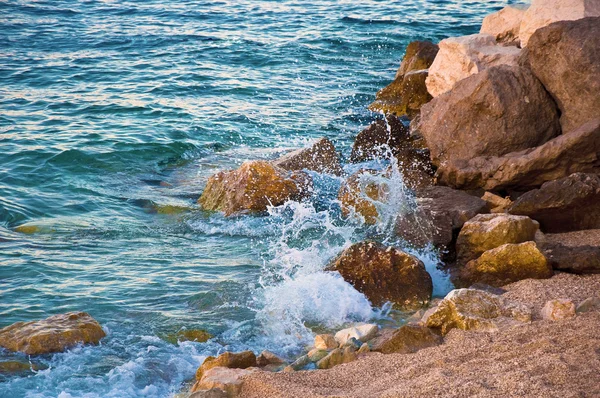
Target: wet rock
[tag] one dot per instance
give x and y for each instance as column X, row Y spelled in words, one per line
column 268, row 358
column 315, row 355
column 556, row 310
column 335, row 357
column 544, row 12
column 441, row 212
column 495, row 203
column 505, row 24
column 588, row 305
column 229, row 380
column 488, row 231
column 28, row 229
column 566, row 59
column 320, row 157
column 409, row 338
column 359, row 191
column 252, row 188
column 506, row 264
column 377, row 140
column 241, row 360
column 54, row 334
column 299, row 363
column 354, row 343
column 566, row 204
column 15, row 367
column 500, row 110
column 197, row 335
column 408, row 92
column 471, row 309
column 325, row 342
column 575, row 151
column 577, row 252
column 363, row 333
column 385, row 274
column 461, row 57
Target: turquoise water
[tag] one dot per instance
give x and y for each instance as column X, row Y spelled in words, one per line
column 110, row 111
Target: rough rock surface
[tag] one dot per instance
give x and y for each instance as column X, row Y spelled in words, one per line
column 268, row 358
column 461, row 57
column 320, row 157
column 377, row 139
column 567, row 204
column 385, row 274
column 576, row 151
column 496, row 203
column 241, row 360
column 358, row 193
column 504, row 25
column 544, row 12
column 440, row 214
column 573, row 80
column 252, row 188
column 506, row 264
column 229, row 380
column 54, row 334
column 488, row 231
column 473, row 309
column 325, row 342
column 558, row 309
column 577, row 251
column 407, row 339
column 500, row 110
column 361, row 333
column 408, row 92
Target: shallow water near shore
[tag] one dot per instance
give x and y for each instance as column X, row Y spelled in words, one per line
column 112, row 117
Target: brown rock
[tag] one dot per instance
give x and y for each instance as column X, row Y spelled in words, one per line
column 229, row 380
column 335, row 357
column 325, row 342
column 268, row 358
column 577, row 252
column 409, row 338
column 408, row 92
column 556, row 310
column 472, row 309
column 570, row 203
column 197, row 335
column 500, row 110
column 320, row 157
column 252, row 188
column 495, row 203
column 573, row 80
column 212, row 393
column 378, row 139
column 440, row 214
column 54, row 334
column 575, row 151
column 506, row 264
column 385, row 274
column 488, row 231
column 241, row 360
column 359, row 191
column 504, row 25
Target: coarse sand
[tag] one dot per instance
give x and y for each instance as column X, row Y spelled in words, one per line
column 541, row 359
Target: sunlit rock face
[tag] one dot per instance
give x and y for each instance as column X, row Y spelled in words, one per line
column 320, row 157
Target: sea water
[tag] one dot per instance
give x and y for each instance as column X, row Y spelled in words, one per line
column 113, row 114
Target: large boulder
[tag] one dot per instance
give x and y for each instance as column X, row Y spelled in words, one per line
column 232, row 360
column 500, row 110
column 408, row 339
column 544, row 12
column 504, row 25
column 441, row 212
column 577, row 252
column 364, row 333
column 506, row 264
column 252, row 188
column 576, row 151
column 488, row 231
column 385, row 274
column 473, row 309
column 54, row 334
column 320, row 157
column 563, row 205
column 461, row 57
column 408, row 92
column 229, row 380
column 565, row 56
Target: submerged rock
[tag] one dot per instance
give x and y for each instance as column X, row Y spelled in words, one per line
column 54, row 334
column 575, row 151
column 565, row 56
column 253, row 187
column 461, row 57
column 505, row 24
column 408, row 339
column 506, row 264
column 320, row 157
column 544, row 12
column 488, row 231
column 556, row 310
column 566, row 204
column 197, row 335
column 408, row 92
column 241, row 360
column 500, row 110
column 385, row 274
column 361, row 333
column 472, row 309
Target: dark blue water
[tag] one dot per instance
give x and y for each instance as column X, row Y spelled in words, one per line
column 112, row 116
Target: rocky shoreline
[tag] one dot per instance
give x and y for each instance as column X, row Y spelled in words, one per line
column 496, row 136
